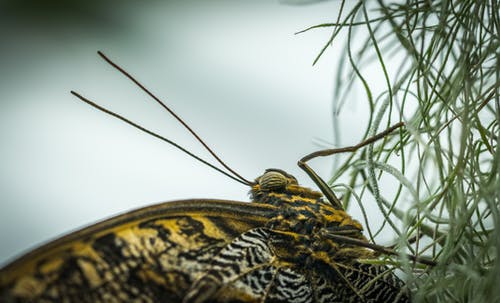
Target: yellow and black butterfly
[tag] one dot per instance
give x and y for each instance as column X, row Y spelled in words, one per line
column 289, row 245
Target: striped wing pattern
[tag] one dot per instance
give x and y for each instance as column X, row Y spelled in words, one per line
column 247, row 270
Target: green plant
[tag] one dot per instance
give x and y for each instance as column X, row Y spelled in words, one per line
column 439, row 60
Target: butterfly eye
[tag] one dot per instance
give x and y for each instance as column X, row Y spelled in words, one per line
column 273, row 181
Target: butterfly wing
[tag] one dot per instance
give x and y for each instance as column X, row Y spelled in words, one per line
column 248, row 270
column 151, row 254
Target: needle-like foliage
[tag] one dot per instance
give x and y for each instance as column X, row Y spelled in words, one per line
column 439, row 61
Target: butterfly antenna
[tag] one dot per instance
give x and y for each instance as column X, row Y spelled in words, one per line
column 142, row 128
column 235, row 175
column 121, row 70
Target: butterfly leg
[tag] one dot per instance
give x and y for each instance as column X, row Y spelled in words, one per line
column 325, row 189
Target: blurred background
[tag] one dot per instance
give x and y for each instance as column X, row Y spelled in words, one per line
column 234, row 70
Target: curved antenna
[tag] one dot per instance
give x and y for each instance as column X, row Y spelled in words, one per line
column 121, row 70
column 147, row 131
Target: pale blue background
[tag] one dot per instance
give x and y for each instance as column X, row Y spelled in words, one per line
column 234, row 70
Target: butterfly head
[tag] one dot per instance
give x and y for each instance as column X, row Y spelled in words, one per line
column 275, row 180
column 276, row 185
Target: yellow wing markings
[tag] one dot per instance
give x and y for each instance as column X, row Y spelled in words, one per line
column 49, row 257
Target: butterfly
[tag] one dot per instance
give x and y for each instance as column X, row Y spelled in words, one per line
column 290, row 244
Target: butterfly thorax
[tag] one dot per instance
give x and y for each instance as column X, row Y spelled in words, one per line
column 304, row 219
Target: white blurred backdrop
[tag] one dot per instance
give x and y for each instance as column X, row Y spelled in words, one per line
column 234, row 70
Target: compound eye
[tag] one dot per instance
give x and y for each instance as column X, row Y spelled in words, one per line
column 273, row 181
